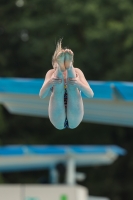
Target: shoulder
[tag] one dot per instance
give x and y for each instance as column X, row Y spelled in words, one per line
column 50, row 72
column 80, row 73
column 81, row 76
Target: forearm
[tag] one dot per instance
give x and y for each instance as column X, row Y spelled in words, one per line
column 88, row 92
column 45, row 89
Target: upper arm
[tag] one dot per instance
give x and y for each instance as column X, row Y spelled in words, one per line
column 47, row 78
column 81, row 76
column 49, row 74
column 84, row 81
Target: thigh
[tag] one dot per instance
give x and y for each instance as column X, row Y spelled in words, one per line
column 75, row 108
column 56, row 109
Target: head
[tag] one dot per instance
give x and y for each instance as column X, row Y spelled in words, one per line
column 57, row 50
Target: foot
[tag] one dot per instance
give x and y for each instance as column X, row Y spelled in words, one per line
column 60, row 60
column 68, row 58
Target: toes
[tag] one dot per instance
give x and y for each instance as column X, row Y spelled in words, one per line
column 65, row 59
column 60, row 55
column 69, row 51
column 68, row 55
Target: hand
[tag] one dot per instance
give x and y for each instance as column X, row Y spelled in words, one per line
column 73, row 81
column 55, row 81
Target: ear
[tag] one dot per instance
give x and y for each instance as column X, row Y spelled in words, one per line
column 55, row 65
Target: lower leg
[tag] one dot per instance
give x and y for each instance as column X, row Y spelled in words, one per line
column 75, row 110
column 57, row 113
column 71, row 72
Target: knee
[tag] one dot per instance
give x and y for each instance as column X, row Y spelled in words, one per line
column 72, row 126
column 59, row 126
column 73, row 123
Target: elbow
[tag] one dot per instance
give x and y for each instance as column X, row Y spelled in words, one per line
column 40, row 95
column 91, row 94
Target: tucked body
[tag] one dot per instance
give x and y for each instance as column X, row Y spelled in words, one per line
column 64, row 84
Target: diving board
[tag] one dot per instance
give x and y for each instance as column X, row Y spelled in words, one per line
column 24, row 158
column 112, row 103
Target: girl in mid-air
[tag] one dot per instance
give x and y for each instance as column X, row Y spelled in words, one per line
column 65, row 83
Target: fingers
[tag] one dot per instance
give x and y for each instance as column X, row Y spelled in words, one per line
column 72, row 81
column 56, row 81
column 69, row 51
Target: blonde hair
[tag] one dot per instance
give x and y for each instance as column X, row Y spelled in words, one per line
column 57, row 50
